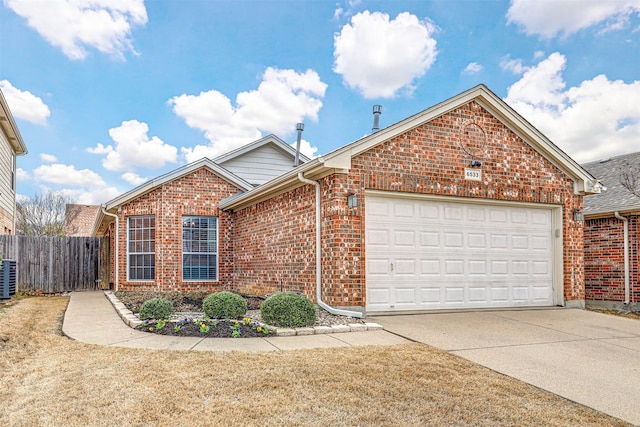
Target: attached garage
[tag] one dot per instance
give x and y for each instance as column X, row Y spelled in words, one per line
column 462, row 205
column 449, row 253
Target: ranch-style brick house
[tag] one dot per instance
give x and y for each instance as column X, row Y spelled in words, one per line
column 463, row 205
column 612, row 236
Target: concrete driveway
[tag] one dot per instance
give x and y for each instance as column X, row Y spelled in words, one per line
column 587, row 357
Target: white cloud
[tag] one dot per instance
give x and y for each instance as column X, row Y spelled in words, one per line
column 25, row 105
column 597, row 119
column 95, row 196
column 283, row 98
column 379, row 57
column 340, row 11
column 472, row 68
column 549, row 18
column 306, row 148
column 133, row 148
column 513, row 65
column 58, row 173
column 74, row 25
column 48, row 158
column 22, row 175
column 133, row 178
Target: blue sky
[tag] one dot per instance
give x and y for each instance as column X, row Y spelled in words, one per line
column 108, row 94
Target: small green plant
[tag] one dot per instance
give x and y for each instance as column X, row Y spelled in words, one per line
column 156, row 308
column 224, row 305
column 161, row 323
column 288, row 310
column 204, row 328
column 236, row 330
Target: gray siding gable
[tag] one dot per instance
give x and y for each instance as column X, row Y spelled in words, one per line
column 260, row 164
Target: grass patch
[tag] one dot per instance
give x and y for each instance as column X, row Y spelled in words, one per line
column 48, row 379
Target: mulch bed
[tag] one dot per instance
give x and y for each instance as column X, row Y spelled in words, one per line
column 189, row 327
column 193, row 328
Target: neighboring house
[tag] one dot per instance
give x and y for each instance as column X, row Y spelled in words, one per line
column 79, row 220
column 463, row 205
column 11, row 145
column 612, row 236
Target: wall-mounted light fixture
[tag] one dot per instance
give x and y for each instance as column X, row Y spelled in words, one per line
column 476, row 163
column 352, row 201
column 578, row 215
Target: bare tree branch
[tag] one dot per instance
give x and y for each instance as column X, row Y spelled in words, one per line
column 43, row 215
column 630, row 178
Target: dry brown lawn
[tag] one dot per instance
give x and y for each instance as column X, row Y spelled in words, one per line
column 48, row 379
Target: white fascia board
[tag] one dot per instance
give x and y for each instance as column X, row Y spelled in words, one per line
column 10, row 129
column 175, row 174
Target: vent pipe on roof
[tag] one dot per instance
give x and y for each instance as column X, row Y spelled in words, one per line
column 377, row 110
column 299, row 128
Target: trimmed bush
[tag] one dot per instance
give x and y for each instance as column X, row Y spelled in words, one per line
column 156, row 308
column 288, row 310
column 224, row 305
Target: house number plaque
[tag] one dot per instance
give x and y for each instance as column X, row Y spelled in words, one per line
column 472, row 174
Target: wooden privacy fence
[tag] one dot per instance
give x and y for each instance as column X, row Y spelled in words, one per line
column 57, row 264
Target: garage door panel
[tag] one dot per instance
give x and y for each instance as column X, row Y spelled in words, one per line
column 429, row 239
column 378, row 267
column 404, row 238
column 406, row 267
column 378, row 298
column 433, row 254
column 405, row 296
column 378, row 237
column 430, row 267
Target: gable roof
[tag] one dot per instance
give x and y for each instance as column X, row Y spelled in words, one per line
column 175, row 174
column 269, row 139
column 616, row 197
column 340, row 159
column 260, row 161
column 150, row 185
column 10, row 129
column 79, row 219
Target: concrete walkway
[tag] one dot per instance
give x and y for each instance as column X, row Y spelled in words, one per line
column 587, row 357
column 91, row 318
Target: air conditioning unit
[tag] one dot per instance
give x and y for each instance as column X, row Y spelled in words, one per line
column 8, row 274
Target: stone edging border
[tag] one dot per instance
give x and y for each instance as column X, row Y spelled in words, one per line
column 132, row 321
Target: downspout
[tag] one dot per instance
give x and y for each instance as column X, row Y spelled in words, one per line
column 321, row 303
column 116, row 249
column 627, row 290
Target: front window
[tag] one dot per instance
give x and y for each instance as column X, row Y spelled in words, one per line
column 199, row 248
column 141, row 247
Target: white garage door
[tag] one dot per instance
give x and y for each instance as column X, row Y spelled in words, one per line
column 428, row 254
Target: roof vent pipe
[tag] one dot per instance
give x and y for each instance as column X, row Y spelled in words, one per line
column 299, row 128
column 377, row 110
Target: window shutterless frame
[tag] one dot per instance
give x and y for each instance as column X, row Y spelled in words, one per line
column 199, row 248
column 141, row 238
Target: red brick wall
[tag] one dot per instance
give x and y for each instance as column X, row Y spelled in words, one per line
column 604, row 259
column 275, row 244
column 195, row 194
column 425, row 160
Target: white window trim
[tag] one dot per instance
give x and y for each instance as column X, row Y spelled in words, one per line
column 139, row 253
column 217, row 253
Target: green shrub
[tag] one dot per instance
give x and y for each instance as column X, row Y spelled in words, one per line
column 224, row 305
column 156, row 308
column 288, row 310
